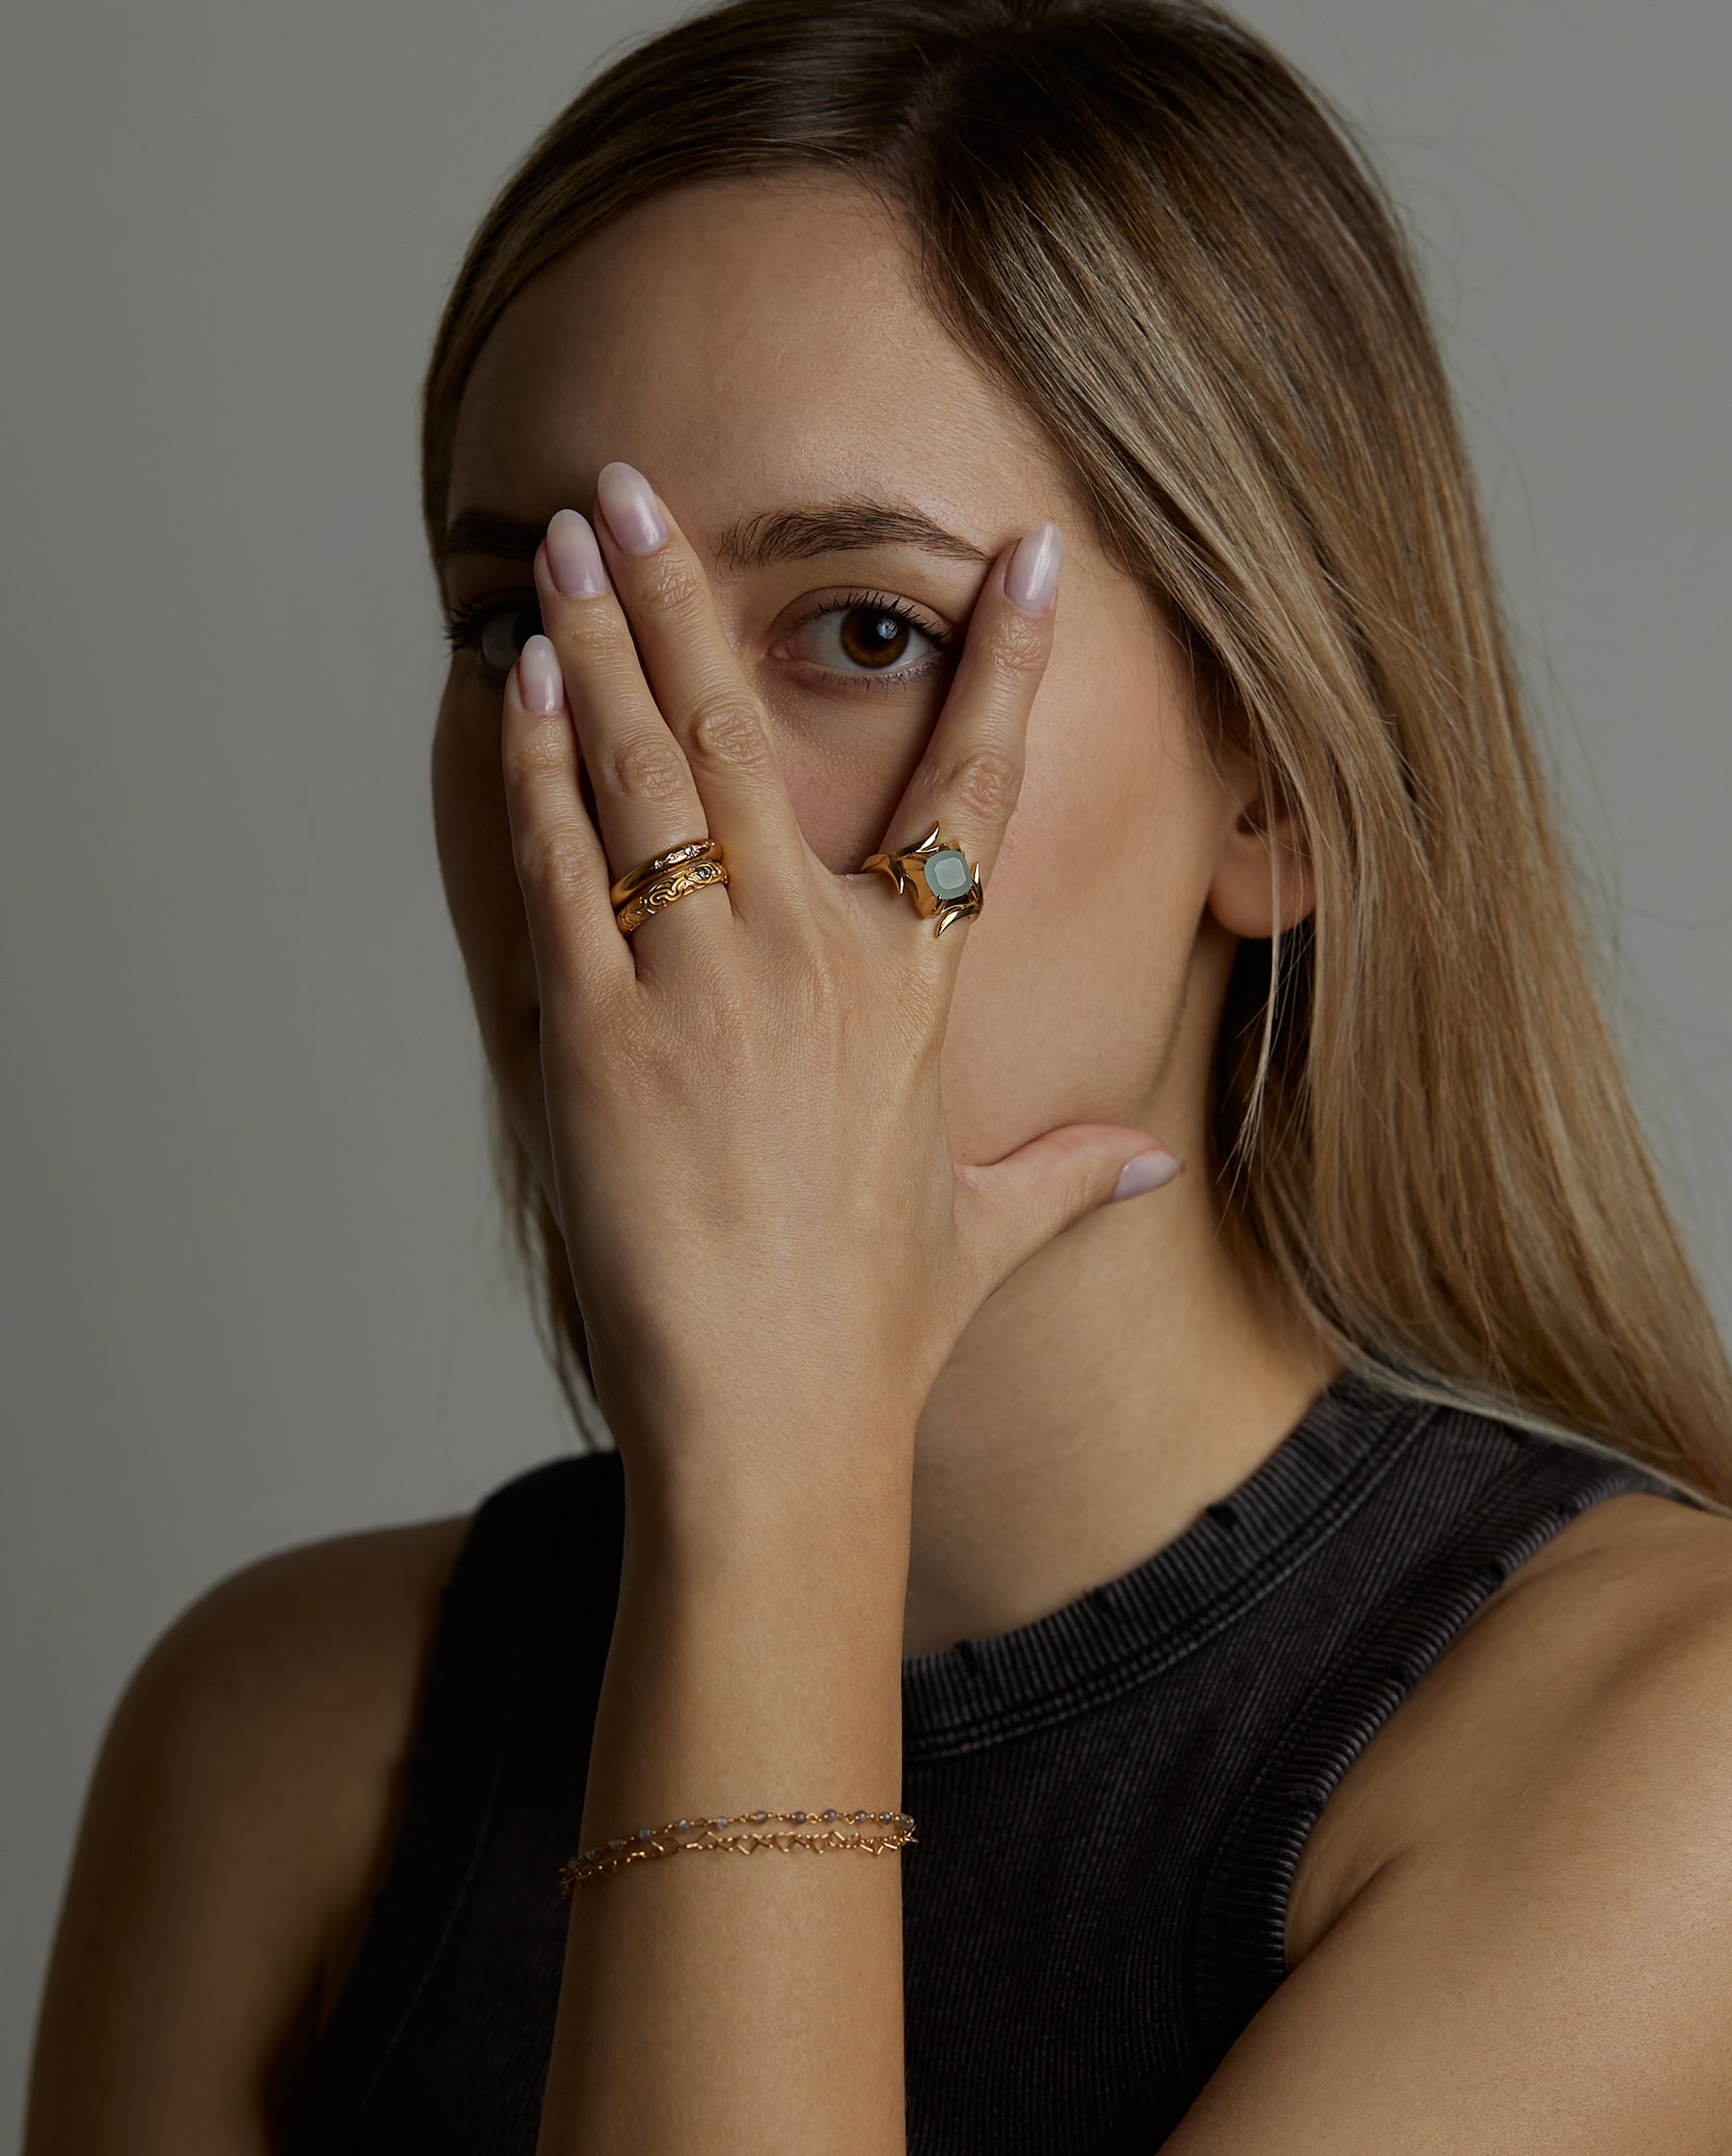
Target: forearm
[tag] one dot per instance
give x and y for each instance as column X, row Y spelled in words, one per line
column 720, row 2002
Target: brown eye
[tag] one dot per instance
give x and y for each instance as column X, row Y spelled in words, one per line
column 871, row 637
column 863, row 635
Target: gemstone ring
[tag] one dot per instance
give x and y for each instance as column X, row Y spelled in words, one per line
column 936, row 876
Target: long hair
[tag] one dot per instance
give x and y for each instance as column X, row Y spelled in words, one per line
column 1173, row 253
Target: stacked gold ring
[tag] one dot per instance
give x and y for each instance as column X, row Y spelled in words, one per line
column 664, row 879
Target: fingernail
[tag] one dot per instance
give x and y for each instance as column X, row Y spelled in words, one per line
column 1148, row 1172
column 629, row 503
column 1032, row 575
column 573, row 560
column 540, row 683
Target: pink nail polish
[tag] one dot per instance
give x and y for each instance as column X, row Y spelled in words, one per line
column 628, row 502
column 1148, row 1172
column 573, row 558
column 540, row 683
column 1031, row 573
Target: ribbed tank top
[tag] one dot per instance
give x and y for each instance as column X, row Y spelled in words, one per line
column 1110, row 1800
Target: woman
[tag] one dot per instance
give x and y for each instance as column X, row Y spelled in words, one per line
column 1266, row 1649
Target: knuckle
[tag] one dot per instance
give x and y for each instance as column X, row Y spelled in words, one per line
column 638, row 767
column 1020, row 648
column 724, row 729
column 984, row 782
column 554, row 867
column 590, row 631
column 823, row 985
column 536, row 753
column 669, row 583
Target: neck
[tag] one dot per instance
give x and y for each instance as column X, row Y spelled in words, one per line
column 1132, row 1373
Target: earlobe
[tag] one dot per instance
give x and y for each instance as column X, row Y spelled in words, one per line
column 1262, row 878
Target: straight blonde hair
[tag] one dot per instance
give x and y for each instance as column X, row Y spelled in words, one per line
column 1174, row 254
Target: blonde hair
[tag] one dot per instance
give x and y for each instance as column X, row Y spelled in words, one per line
column 1173, row 253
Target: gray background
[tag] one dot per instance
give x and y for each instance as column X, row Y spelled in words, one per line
column 251, row 1292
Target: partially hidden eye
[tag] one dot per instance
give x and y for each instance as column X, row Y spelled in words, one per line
column 496, row 629
column 866, row 632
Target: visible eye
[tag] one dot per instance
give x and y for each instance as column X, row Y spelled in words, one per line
column 865, row 633
column 496, row 629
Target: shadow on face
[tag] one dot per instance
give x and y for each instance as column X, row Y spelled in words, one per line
column 756, row 348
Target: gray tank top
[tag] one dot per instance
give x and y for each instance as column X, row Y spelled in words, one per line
column 1110, row 1801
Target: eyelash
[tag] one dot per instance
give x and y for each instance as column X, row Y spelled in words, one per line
column 460, row 622
column 461, row 626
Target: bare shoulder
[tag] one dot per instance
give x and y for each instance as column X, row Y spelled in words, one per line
column 238, row 1817
column 1618, row 1624
column 1520, row 1935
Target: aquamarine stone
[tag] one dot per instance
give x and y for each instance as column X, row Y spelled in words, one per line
column 946, row 873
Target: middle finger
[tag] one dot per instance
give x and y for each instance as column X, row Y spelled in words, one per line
column 646, row 800
column 703, row 691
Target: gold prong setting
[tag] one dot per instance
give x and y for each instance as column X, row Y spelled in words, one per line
column 944, row 884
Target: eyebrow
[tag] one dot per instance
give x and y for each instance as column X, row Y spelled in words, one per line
column 750, row 542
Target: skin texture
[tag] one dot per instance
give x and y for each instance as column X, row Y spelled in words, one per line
column 1082, row 1417
column 1508, row 1927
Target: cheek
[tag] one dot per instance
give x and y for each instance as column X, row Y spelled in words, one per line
column 846, row 775
column 1070, row 989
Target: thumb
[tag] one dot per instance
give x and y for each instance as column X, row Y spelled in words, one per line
column 1017, row 1205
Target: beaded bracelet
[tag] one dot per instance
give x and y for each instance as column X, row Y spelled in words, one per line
column 656, row 1841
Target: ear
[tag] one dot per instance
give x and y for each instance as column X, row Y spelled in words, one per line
column 1262, row 863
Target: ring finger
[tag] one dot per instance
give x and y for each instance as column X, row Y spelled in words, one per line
column 646, row 799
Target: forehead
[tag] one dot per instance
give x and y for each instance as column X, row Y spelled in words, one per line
column 742, row 340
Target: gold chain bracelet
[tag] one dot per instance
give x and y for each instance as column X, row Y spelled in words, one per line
column 662, row 1842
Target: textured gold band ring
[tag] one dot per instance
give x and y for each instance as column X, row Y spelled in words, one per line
column 645, row 871
column 666, row 890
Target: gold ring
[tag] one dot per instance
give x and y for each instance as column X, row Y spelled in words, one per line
column 936, row 876
column 666, row 889
column 634, row 878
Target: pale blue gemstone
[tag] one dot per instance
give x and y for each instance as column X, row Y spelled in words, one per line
column 947, row 874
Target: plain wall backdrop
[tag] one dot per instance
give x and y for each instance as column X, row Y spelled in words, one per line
column 251, row 1289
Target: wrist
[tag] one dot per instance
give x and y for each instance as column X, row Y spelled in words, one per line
column 773, row 1514
column 746, row 1674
